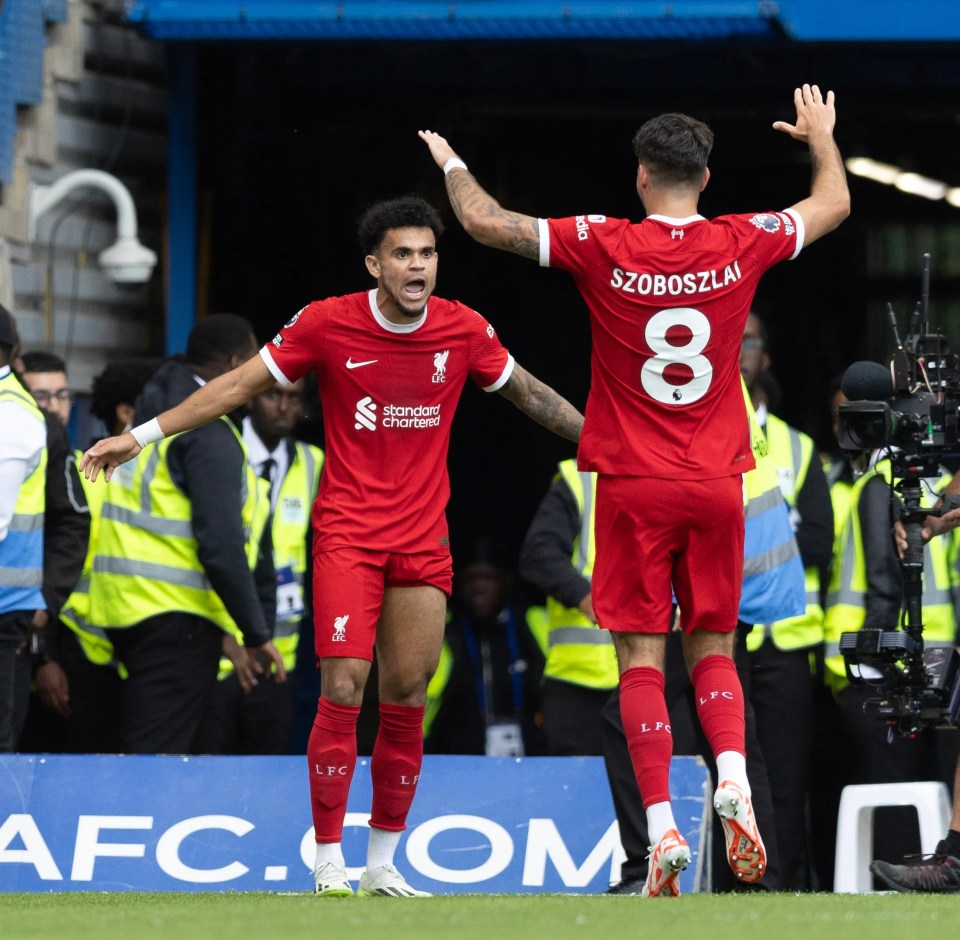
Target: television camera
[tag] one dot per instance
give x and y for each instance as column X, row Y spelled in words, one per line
column 909, row 413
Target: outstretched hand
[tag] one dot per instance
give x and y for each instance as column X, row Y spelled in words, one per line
column 108, row 454
column 440, row 150
column 816, row 116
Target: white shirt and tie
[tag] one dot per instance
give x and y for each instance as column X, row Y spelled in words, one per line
column 269, row 465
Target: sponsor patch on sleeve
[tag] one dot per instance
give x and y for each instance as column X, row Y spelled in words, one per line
column 294, row 318
column 767, row 222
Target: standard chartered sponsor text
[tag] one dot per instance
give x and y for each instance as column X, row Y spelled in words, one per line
column 411, row 416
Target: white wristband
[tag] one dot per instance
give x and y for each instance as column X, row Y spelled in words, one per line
column 148, row 433
column 452, row 164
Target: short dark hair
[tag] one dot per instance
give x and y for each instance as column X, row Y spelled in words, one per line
column 42, row 361
column 120, row 383
column 409, row 211
column 674, row 148
column 218, row 337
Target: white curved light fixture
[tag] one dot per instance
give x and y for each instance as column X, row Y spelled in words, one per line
column 126, row 261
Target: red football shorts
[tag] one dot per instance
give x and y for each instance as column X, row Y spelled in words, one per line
column 348, row 586
column 656, row 533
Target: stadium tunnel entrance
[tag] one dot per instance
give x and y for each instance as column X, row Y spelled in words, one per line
column 293, row 139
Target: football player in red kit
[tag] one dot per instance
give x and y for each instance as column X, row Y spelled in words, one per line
column 666, row 429
column 390, row 365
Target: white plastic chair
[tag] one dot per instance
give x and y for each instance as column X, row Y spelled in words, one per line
column 855, row 826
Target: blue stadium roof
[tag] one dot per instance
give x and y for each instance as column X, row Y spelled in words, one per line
column 805, row 20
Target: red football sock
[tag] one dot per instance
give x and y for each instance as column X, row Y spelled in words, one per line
column 331, row 757
column 646, row 723
column 719, row 696
column 395, row 765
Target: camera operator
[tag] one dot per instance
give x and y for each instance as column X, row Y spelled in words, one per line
column 941, row 872
column 934, row 525
column 866, row 592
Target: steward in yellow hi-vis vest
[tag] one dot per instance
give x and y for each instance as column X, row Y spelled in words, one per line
column 866, row 587
column 147, row 556
column 180, row 564
column 260, row 720
column 75, row 612
column 772, row 571
column 21, row 547
column 840, row 482
column 580, row 671
column 290, row 529
column 785, row 654
column 866, row 591
column 23, row 464
column 577, row 650
column 793, row 454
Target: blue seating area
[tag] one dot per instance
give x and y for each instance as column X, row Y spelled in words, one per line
column 22, row 42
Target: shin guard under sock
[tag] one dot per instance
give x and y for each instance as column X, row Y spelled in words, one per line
column 395, row 765
column 646, row 724
column 331, row 758
column 719, row 698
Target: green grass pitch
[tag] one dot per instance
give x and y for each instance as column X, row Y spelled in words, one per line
column 132, row 916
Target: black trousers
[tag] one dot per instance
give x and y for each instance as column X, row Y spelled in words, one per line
column 572, row 724
column 256, row 722
column 688, row 738
column 15, row 671
column 173, row 660
column 782, row 696
column 96, row 703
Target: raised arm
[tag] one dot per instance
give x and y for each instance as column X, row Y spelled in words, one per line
column 543, row 404
column 218, row 397
column 829, row 201
column 483, row 218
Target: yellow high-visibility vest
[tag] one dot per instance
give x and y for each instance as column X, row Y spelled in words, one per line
column 579, row 651
column 75, row 612
column 289, row 526
column 846, row 594
column 772, row 570
column 791, row 451
column 21, row 552
column 146, row 561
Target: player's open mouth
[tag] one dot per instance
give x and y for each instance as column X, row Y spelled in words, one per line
column 414, row 290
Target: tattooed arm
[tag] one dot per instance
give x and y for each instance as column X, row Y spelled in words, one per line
column 483, row 218
column 543, row 404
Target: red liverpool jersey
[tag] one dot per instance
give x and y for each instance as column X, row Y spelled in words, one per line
column 388, row 392
column 668, row 301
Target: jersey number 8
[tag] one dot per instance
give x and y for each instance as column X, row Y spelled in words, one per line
column 689, row 372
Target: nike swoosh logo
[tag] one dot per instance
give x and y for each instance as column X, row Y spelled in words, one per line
column 356, row 365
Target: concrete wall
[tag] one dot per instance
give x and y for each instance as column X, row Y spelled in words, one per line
column 104, row 107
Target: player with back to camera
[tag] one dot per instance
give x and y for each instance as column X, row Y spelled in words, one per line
column 390, row 365
column 666, row 429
